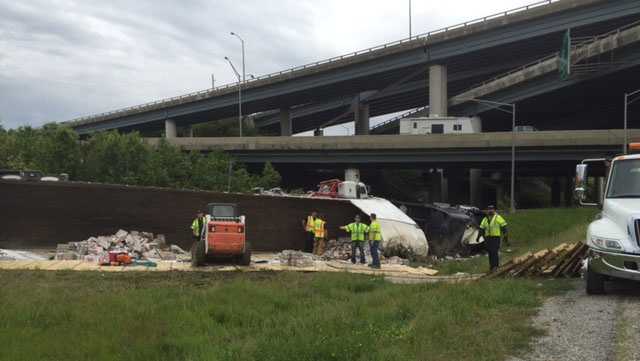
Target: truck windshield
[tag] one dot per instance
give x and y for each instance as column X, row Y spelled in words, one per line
column 625, row 179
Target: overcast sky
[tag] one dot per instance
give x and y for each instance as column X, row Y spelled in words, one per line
column 61, row 59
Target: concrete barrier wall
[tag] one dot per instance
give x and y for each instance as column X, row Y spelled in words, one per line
column 38, row 214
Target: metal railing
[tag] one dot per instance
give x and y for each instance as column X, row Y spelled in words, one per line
column 210, row 91
column 398, row 117
column 581, row 42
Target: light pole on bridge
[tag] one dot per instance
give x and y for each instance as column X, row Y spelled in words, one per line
column 239, row 93
column 500, row 106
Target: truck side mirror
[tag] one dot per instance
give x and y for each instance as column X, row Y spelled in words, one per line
column 581, row 182
column 581, row 185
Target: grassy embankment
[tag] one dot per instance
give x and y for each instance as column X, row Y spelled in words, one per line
column 260, row 316
column 530, row 230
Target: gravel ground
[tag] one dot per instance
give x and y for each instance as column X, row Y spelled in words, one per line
column 589, row 328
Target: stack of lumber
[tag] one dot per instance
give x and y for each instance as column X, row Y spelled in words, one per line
column 564, row 260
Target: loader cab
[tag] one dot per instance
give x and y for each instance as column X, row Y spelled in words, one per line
column 223, row 211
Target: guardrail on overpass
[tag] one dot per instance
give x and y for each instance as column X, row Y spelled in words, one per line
column 537, row 9
column 481, row 147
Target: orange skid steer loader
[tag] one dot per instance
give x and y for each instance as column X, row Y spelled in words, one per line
column 223, row 237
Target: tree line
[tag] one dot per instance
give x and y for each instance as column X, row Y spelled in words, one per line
column 112, row 157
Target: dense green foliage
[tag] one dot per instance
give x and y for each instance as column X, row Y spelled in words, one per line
column 260, row 316
column 112, row 157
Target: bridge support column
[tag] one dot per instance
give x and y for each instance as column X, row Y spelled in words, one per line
column 286, row 128
column 438, row 98
column 568, row 191
column 438, row 186
column 556, row 192
column 170, row 130
column 188, row 131
column 474, row 187
column 361, row 115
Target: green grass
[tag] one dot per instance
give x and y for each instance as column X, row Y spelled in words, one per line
column 530, row 230
column 260, row 316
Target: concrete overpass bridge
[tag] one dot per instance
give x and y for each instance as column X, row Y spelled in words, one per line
column 428, row 69
column 458, row 168
column 436, row 150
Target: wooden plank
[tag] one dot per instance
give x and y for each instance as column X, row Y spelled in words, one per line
column 530, row 263
column 566, row 260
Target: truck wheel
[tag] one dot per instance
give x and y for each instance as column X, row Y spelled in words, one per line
column 197, row 254
column 594, row 282
column 245, row 258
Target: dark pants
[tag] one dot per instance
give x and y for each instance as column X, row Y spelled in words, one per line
column 492, row 245
column 308, row 242
column 355, row 246
column 373, row 245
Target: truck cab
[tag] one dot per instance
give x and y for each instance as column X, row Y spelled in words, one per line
column 614, row 237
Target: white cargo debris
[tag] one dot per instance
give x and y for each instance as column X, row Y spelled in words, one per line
column 138, row 245
column 296, row 258
column 12, row 255
column 398, row 230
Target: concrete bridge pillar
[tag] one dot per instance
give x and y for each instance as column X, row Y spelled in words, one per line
column 475, row 187
column 170, row 130
column 438, row 98
column 188, row 131
column 568, row 191
column 556, row 192
column 361, row 115
column 286, row 126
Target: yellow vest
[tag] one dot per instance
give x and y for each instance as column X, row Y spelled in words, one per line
column 492, row 228
column 310, row 224
column 318, row 228
column 357, row 231
column 375, row 232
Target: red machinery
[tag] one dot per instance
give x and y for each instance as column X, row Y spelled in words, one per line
column 222, row 237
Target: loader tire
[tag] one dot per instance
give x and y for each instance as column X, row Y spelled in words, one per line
column 594, row 282
column 197, row 254
column 245, row 258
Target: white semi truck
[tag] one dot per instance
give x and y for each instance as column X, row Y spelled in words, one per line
column 614, row 237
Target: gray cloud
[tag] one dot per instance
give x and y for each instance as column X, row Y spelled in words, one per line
column 63, row 59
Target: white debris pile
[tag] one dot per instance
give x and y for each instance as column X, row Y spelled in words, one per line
column 296, row 258
column 13, row 255
column 137, row 245
column 340, row 249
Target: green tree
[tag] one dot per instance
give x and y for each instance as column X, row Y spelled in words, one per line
column 111, row 157
column 270, row 177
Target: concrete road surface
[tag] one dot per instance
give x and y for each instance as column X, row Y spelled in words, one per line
column 589, row 328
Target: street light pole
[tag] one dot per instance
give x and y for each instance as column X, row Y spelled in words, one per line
column 244, row 77
column 239, row 94
column 626, row 118
column 410, row 32
column 513, row 158
column 498, row 105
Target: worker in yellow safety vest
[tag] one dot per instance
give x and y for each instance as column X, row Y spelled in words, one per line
column 198, row 225
column 320, row 234
column 309, row 227
column 375, row 237
column 357, row 231
column 493, row 228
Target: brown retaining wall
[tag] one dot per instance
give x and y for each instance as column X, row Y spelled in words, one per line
column 39, row 214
